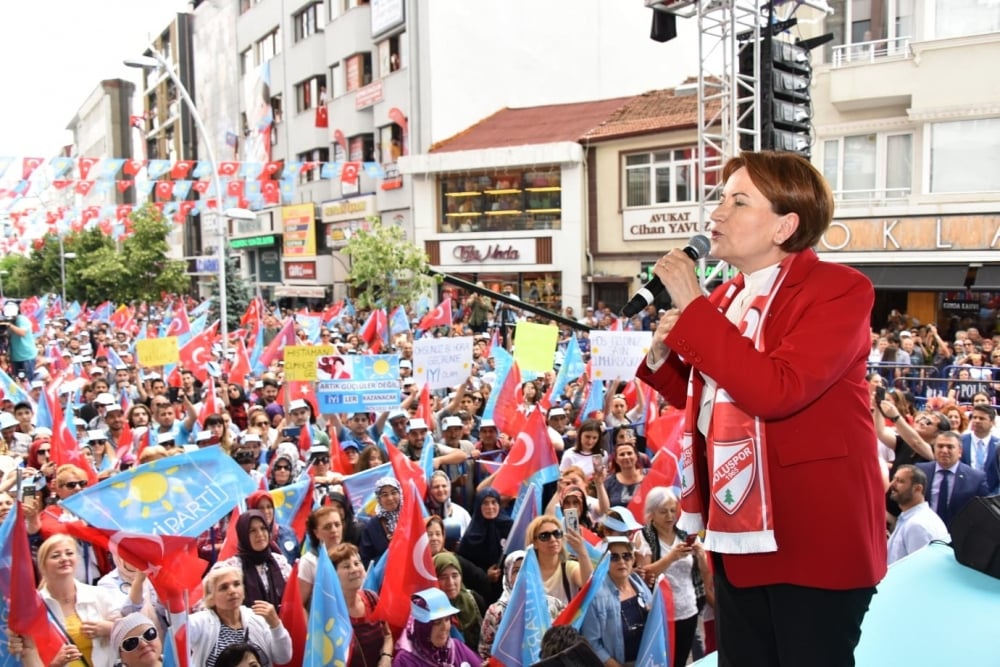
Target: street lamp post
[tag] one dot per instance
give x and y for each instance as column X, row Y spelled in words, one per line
column 155, row 62
column 63, row 256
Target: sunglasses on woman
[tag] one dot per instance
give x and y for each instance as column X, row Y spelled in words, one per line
column 132, row 643
column 82, row 484
column 550, row 534
column 282, row 467
column 622, row 556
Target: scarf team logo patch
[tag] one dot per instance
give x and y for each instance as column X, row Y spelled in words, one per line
column 733, row 474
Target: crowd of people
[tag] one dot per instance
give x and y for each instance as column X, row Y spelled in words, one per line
column 933, row 460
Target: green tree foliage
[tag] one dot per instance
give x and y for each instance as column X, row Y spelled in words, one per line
column 144, row 255
column 386, row 269
column 139, row 270
column 238, row 294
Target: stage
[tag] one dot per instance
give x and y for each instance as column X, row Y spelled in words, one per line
column 929, row 611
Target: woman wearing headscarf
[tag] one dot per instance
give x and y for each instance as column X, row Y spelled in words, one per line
column 493, row 615
column 456, row 518
column 484, row 538
column 283, row 470
column 470, row 610
column 264, row 571
column 379, row 530
column 281, row 536
column 427, row 640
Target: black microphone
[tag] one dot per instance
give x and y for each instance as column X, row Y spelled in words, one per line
column 696, row 248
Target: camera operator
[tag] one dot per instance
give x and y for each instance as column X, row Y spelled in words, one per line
column 21, row 343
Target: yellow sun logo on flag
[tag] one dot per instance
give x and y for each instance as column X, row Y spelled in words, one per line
column 283, row 499
column 148, row 488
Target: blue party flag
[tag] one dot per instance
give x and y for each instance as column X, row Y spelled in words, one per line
column 657, row 646
column 519, row 638
column 181, row 495
column 330, row 632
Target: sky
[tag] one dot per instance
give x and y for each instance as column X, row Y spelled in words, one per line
column 54, row 55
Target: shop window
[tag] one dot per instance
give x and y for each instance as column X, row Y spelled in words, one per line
column 501, row 202
column 543, row 289
column 358, row 70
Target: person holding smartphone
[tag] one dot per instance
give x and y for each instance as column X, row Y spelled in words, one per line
column 680, row 558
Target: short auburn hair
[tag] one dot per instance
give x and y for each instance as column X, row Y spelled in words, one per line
column 793, row 185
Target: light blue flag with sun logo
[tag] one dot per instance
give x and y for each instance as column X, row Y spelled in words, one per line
column 519, row 637
column 328, row 641
column 288, row 501
column 181, row 495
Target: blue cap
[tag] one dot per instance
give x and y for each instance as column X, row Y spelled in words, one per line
column 437, row 603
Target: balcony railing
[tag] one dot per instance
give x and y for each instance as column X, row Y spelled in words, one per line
column 869, row 52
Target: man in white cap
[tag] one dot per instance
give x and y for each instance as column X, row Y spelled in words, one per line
column 463, row 488
column 101, row 403
column 417, row 438
column 560, row 433
column 300, row 415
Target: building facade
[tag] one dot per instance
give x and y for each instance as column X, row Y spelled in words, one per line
column 907, row 130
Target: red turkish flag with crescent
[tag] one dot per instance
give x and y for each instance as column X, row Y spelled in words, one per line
column 322, row 117
column 229, row 168
column 83, row 187
column 133, row 167
column 439, row 316
column 349, row 174
column 531, row 452
column 198, row 352
column 29, row 165
column 85, row 164
column 180, row 169
column 165, row 189
column 408, row 564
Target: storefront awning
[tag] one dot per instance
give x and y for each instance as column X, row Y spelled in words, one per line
column 302, row 291
column 988, row 278
column 917, row 277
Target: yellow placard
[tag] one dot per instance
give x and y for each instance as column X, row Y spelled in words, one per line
column 157, row 351
column 300, row 360
column 535, row 346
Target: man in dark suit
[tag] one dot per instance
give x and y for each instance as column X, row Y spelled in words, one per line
column 979, row 445
column 952, row 483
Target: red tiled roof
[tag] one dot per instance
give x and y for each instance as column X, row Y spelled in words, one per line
column 532, row 125
column 654, row 111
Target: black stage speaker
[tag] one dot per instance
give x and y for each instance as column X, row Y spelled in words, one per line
column 975, row 535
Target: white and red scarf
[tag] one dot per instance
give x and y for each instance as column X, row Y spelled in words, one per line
column 739, row 518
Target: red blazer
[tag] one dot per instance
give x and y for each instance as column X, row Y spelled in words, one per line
column 808, row 388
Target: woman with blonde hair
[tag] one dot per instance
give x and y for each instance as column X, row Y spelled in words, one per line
column 562, row 577
column 86, row 613
column 226, row 621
